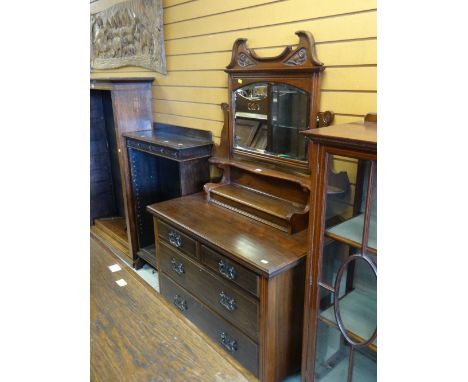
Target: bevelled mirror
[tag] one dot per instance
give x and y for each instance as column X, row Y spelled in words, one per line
column 268, row 117
column 272, row 100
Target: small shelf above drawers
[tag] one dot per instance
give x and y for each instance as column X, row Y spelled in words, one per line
column 266, row 208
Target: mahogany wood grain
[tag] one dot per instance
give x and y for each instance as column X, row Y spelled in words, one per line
column 309, row 334
column 132, row 110
column 358, row 135
column 266, row 170
column 137, row 336
column 256, row 257
column 166, row 162
column 194, row 173
column 278, row 207
column 298, row 67
column 241, row 243
column 148, row 254
column 275, row 175
column 276, row 212
column 280, row 188
column 281, row 324
column 356, row 140
column 222, row 150
column 246, row 60
column 245, row 351
column 157, row 242
column 207, row 287
column 185, row 243
column 259, row 247
column 172, row 136
column 245, row 278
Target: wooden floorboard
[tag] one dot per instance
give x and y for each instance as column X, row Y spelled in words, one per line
column 137, row 336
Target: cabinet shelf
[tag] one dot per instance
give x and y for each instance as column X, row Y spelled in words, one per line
column 364, row 370
column 148, row 254
column 350, row 233
column 359, row 314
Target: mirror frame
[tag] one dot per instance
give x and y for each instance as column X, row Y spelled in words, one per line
column 298, row 67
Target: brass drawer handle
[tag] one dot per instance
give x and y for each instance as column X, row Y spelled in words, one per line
column 229, row 343
column 227, row 271
column 180, row 303
column 177, row 267
column 228, row 302
column 175, row 239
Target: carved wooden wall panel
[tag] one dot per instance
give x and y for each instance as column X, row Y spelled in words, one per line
column 129, row 33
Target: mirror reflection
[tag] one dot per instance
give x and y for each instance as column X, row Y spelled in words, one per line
column 268, row 118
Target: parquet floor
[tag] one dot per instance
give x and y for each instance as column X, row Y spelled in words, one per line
column 137, row 336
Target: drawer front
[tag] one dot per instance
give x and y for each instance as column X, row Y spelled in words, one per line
column 244, row 350
column 177, row 239
column 230, row 270
column 227, row 300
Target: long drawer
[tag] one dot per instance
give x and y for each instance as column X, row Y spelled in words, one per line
column 227, row 300
column 230, row 270
column 228, row 337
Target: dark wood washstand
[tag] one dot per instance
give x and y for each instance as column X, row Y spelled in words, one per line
column 231, row 259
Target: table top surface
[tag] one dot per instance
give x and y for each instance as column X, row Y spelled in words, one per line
column 259, row 247
column 167, row 139
column 354, row 133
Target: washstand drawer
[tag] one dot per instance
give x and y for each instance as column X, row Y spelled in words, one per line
column 230, row 270
column 179, row 267
column 177, row 239
column 229, row 301
column 244, row 350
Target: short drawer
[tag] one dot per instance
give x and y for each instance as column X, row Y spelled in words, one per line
column 234, row 342
column 230, row 270
column 177, row 239
column 229, row 301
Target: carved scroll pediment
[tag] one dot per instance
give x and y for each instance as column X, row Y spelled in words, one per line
column 244, row 60
column 303, row 57
column 298, row 58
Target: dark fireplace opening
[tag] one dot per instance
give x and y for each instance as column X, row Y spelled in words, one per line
column 106, row 205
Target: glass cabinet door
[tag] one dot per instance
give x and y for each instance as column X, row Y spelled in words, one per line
column 346, row 341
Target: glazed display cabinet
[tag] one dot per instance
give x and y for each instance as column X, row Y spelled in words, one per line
column 340, row 326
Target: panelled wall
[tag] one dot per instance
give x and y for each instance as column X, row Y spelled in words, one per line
column 198, row 39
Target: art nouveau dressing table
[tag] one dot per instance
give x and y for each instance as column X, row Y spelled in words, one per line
column 231, row 259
